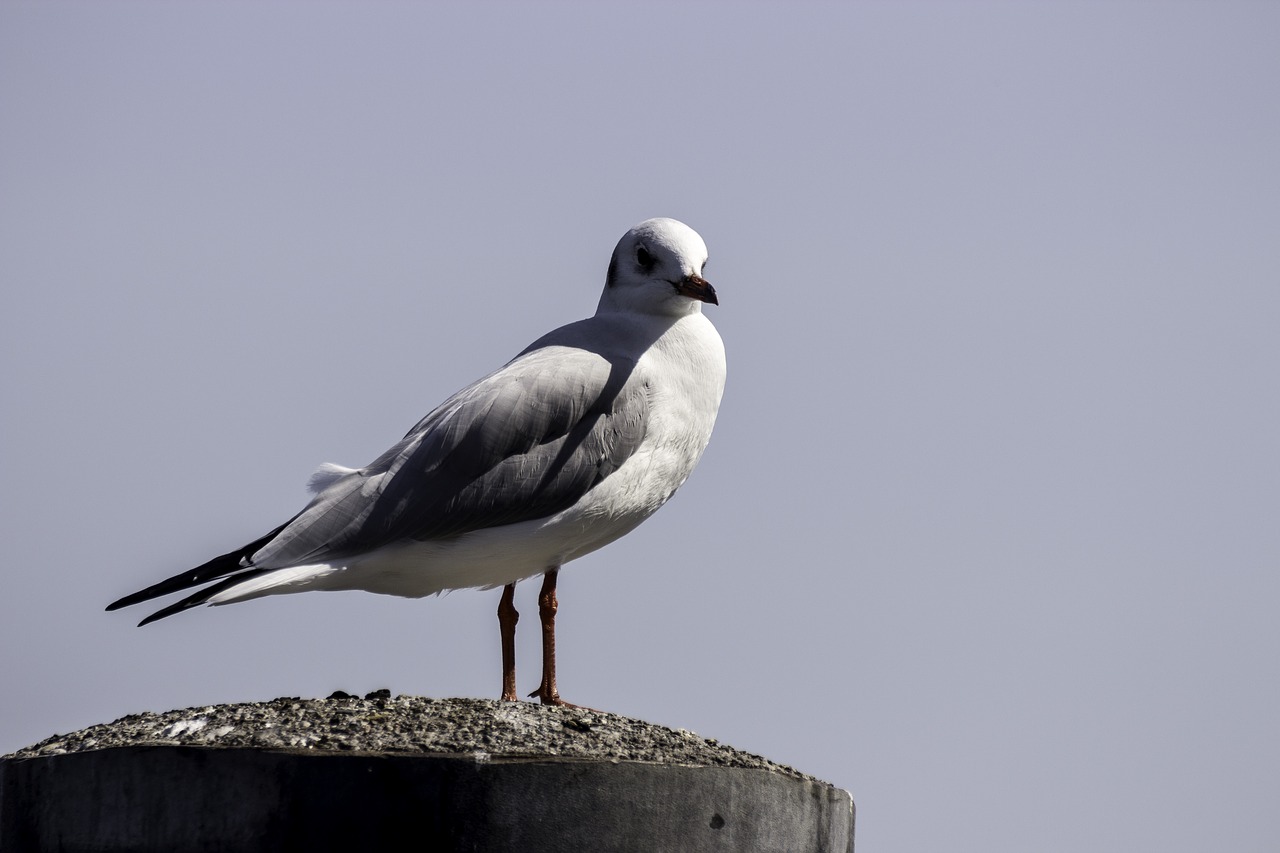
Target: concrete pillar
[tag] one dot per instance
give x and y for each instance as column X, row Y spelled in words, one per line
column 174, row 797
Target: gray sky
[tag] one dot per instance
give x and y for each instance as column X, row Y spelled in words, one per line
column 987, row 533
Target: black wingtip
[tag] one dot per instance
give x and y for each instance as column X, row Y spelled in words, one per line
column 186, row 580
column 185, row 604
column 230, row 563
column 127, row 601
column 203, row 596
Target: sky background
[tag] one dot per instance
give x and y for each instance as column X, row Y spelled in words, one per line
column 989, row 528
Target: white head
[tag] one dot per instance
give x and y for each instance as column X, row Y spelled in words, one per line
column 657, row 269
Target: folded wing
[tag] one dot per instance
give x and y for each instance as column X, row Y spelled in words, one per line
column 525, row 442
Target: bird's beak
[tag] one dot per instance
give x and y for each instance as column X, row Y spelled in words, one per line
column 697, row 287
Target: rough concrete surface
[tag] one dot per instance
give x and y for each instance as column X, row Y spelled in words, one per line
column 382, row 723
column 405, row 772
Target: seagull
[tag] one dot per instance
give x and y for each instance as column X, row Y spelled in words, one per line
column 569, row 446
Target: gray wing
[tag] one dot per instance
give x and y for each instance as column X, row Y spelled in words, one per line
column 525, row 442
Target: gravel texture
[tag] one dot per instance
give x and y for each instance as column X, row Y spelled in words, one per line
column 410, row 724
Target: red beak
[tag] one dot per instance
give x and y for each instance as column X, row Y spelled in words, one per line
column 697, row 287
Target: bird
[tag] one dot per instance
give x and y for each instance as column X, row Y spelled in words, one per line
column 569, row 446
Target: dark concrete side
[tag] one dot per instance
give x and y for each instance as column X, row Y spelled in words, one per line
column 183, row 798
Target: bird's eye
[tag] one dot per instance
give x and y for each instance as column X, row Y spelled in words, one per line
column 703, row 271
column 645, row 259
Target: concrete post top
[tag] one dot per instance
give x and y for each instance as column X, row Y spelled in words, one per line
column 406, row 772
column 380, row 723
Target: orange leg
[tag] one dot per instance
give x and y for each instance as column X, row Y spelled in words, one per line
column 547, row 605
column 507, row 619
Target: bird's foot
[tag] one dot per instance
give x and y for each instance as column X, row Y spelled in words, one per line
column 552, row 697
